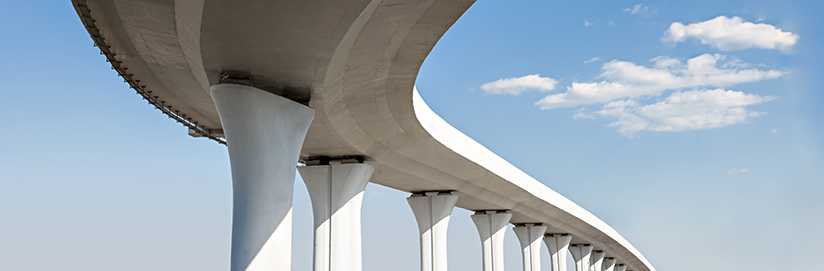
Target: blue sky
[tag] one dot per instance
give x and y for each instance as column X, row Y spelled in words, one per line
column 715, row 167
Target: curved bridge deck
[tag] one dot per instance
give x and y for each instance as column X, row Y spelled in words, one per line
column 356, row 63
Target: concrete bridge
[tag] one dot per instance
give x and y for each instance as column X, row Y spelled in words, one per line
column 329, row 85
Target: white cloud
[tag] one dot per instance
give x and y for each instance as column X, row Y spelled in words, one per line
column 636, row 9
column 682, row 111
column 774, row 131
column 587, row 23
column 516, row 85
column 728, row 34
column 629, row 80
column 592, row 60
column 737, row 171
column 663, row 62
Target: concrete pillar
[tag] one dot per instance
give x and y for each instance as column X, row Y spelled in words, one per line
column 432, row 211
column 558, row 245
column 530, row 236
column 581, row 254
column 265, row 133
column 492, row 227
column 596, row 260
column 337, row 196
column 609, row 264
column 620, row 267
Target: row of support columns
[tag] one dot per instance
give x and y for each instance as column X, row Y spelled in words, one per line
column 265, row 133
column 530, row 236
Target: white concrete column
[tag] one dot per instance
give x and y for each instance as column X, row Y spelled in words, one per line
column 530, row 236
column 581, row 254
column 264, row 133
column 558, row 245
column 620, row 267
column 432, row 211
column 337, row 196
column 596, row 260
column 609, row 264
column 492, row 227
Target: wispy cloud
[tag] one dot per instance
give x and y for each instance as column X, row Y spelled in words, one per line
column 629, row 80
column 592, row 60
column 637, row 9
column 516, row 85
column 626, row 84
column 737, row 171
column 729, row 34
column 587, row 23
column 682, row 111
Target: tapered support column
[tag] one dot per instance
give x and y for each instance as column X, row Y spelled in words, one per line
column 337, row 196
column 609, row 264
column 492, row 227
column 265, row 133
column 558, row 245
column 596, row 260
column 530, row 237
column 620, row 267
column 581, row 254
column 432, row 211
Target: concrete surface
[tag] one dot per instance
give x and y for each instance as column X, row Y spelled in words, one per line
column 355, row 62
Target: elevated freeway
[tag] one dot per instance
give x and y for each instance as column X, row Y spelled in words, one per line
column 330, row 84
